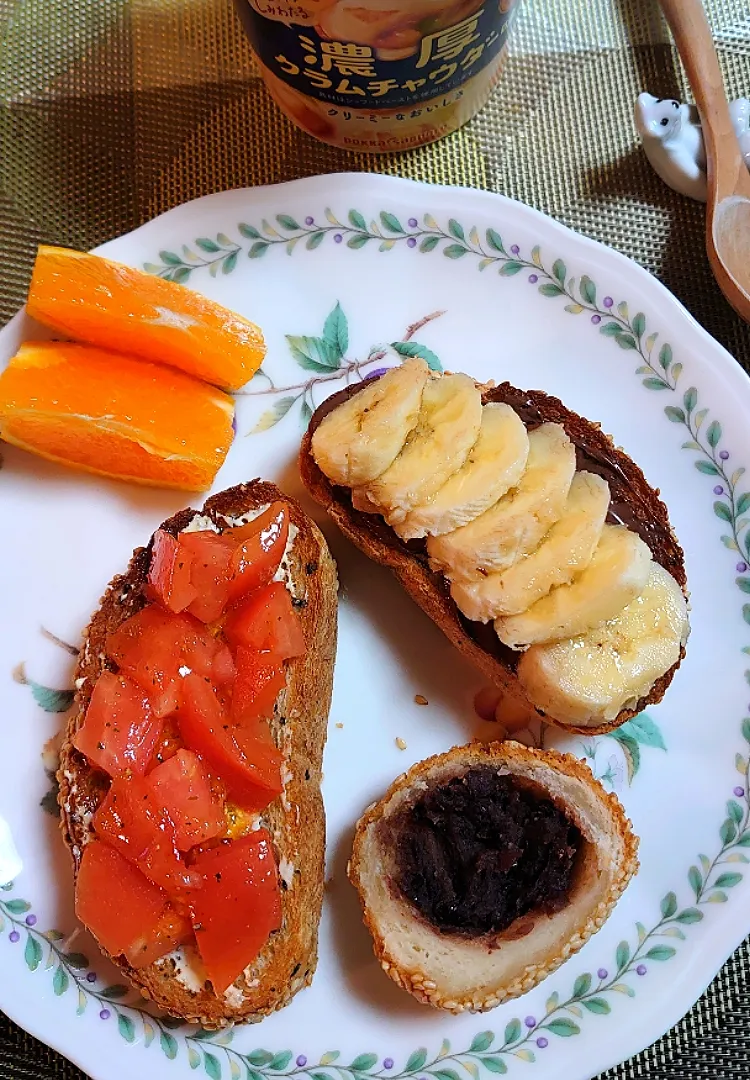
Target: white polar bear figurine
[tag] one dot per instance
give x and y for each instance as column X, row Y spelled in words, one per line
column 673, row 140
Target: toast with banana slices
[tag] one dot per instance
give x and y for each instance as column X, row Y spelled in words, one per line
column 534, row 543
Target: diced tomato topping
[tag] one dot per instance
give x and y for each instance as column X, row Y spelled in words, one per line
column 260, row 678
column 181, row 726
column 172, row 929
column 119, row 731
column 127, row 914
column 267, row 622
column 183, row 787
column 169, row 572
column 169, row 743
column 154, row 645
column 259, row 551
column 201, row 649
column 211, row 556
column 251, row 770
column 132, row 820
column 237, row 907
column 223, row 669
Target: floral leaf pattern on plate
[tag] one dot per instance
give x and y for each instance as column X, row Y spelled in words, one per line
column 325, row 356
column 322, row 354
column 47, row 698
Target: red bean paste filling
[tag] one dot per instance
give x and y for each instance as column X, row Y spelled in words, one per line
column 478, row 852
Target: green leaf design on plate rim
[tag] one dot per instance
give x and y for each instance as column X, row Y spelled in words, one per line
column 707, row 882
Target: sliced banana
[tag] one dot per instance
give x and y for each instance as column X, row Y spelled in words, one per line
column 361, row 501
column 617, row 573
column 592, row 678
column 564, row 552
column 359, row 439
column 516, row 523
column 495, row 464
column 447, row 427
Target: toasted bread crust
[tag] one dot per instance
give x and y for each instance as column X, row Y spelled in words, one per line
column 296, row 820
column 634, row 502
column 424, row 978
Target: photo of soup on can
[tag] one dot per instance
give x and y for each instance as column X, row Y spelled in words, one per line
column 379, row 75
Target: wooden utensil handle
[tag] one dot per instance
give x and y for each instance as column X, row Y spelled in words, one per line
column 692, row 34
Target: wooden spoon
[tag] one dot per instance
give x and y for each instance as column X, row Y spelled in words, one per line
column 728, row 204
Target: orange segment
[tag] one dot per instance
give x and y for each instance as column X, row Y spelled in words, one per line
column 105, row 303
column 109, row 414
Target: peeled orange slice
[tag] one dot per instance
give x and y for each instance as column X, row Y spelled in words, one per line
column 109, row 414
column 105, row 303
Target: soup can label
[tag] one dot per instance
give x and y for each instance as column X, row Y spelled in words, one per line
column 370, row 60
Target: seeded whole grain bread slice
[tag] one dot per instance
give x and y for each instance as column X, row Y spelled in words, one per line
column 634, row 503
column 296, row 820
column 465, row 973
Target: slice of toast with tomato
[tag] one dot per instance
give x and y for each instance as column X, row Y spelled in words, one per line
column 191, row 767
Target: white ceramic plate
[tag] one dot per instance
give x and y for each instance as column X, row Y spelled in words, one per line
column 511, row 295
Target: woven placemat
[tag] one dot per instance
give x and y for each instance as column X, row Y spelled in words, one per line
column 112, row 111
